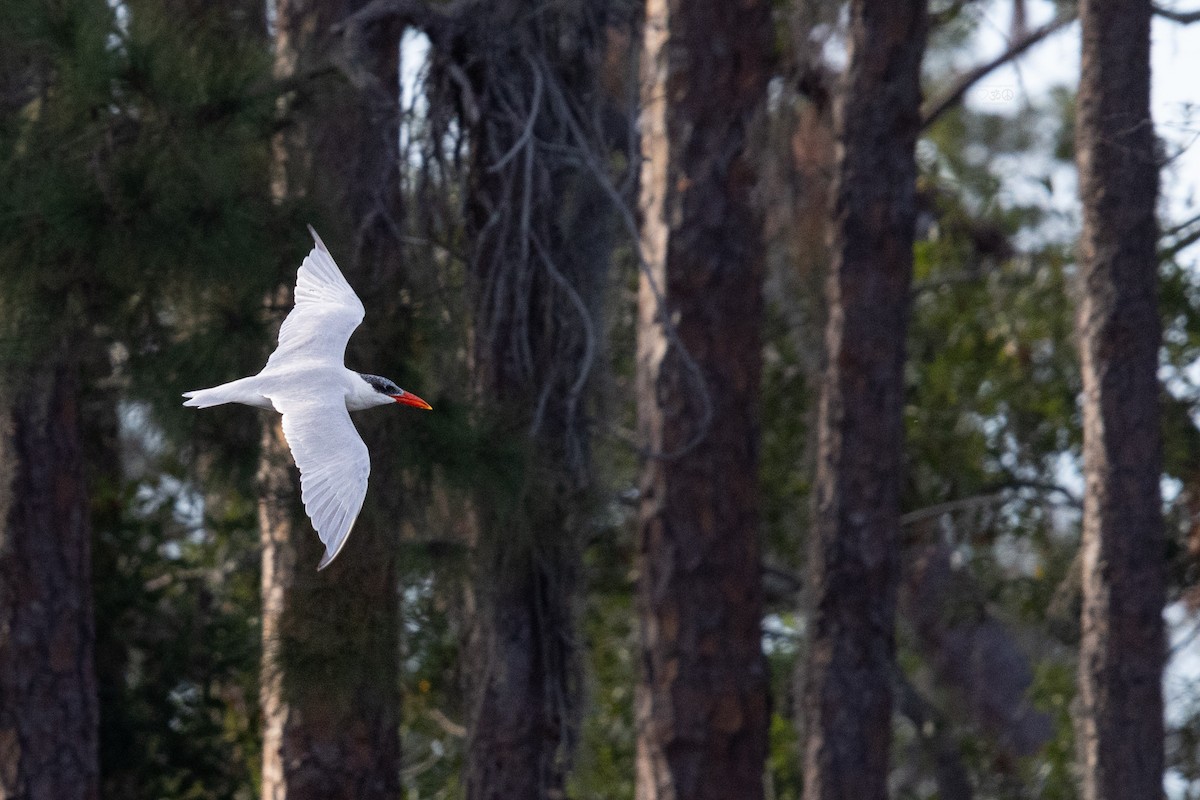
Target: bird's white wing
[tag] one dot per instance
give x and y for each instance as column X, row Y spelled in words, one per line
column 334, row 464
column 327, row 311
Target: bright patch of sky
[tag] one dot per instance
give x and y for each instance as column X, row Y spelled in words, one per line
column 142, row 445
column 414, row 57
column 1175, row 94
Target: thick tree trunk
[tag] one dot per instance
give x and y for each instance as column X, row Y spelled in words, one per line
column 541, row 232
column 702, row 702
column 1120, row 727
column 522, row 731
column 330, row 680
column 48, row 708
column 856, row 556
column 329, row 686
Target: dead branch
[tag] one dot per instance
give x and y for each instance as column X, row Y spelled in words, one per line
column 953, row 506
column 994, row 496
column 452, row 728
column 527, row 134
column 1181, row 239
column 1182, row 17
column 585, row 318
column 967, row 80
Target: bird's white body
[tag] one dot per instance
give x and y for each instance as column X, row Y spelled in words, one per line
column 306, row 380
column 257, row 389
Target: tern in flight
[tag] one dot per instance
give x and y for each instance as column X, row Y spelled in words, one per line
column 306, row 381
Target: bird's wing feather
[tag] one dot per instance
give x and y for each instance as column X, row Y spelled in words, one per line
column 327, row 311
column 334, row 464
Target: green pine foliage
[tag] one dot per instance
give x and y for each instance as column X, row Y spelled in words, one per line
column 137, row 226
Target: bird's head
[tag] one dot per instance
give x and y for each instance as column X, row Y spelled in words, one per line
column 387, row 389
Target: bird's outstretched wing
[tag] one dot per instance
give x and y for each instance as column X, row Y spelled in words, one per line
column 327, row 311
column 334, row 464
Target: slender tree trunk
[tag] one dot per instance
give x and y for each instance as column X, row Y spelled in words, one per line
column 330, row 680
column 702, row 701
column 1120, row 726
column 856, row 555
column 48, row 708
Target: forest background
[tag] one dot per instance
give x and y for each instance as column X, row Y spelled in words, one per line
column 592, row 571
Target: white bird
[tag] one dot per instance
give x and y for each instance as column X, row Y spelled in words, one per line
column 306, row 381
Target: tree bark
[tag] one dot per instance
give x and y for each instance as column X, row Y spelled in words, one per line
column 1120, row 722
column 48, row 707
column 329, row 685
column 702, row 701
column 521, row 738
column 330, row 676
column 541, row 232
column 856, row 557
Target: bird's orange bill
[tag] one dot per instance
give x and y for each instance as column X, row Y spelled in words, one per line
column 410, row 399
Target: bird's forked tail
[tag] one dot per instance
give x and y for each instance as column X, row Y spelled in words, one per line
column 240, row 391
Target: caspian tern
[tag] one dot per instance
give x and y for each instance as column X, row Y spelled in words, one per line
column 306, row 381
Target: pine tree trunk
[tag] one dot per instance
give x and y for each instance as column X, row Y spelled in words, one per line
column 541, row 233
column 48, row 708
column 329, row 686
column 855, row 556
column 330, row 676
column 1120, row 721
column 521, row 733
column 702, row 701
